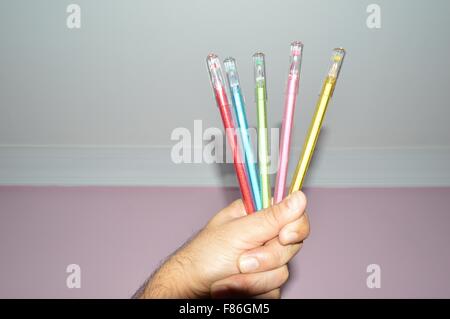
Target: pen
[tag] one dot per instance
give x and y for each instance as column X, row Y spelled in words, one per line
column 218, row 86
column 286, row 126
column 263, row 145
column 314, row 129
column 241, row 120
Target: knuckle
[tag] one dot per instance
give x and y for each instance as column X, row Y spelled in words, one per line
column 271, row 216
column 213, row 221
column 283, row 254
column 237, row 204
column 304, row 228
column 305, row 200
column 284, row 274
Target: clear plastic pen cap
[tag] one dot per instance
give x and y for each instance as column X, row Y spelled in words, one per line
column 260, row 71
column 336, row 59
column 296, row 58
column 215, row 71
column 231, row 71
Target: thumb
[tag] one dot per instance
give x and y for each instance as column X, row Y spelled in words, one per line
column 262, row 226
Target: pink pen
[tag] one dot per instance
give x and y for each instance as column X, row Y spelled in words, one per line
column 286, row 126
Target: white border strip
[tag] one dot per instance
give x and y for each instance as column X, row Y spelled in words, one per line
column 152, row 166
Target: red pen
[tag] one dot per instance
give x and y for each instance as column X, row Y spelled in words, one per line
column 218, row 84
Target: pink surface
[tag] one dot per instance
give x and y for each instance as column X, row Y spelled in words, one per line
column 119, row 235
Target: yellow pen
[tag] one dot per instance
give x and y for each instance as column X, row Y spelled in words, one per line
column 314, row 129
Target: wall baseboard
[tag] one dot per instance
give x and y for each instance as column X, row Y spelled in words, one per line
column 152, row 166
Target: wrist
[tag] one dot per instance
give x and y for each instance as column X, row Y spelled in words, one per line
column 176, row 279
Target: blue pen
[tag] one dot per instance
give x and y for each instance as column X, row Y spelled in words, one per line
column 241, row 119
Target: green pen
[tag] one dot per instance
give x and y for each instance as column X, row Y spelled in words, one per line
column 263, row 145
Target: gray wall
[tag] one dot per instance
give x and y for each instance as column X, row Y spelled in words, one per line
column 136, row 70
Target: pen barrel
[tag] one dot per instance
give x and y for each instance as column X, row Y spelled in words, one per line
column 221, row 97
column 245, row 142
column 313, row 135
column 292, row 85
column 237, row 160
column 263, row 149
column 263, row 146
column 286, row 126
column 285, row 141
column 230, row 131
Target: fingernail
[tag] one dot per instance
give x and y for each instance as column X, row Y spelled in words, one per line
column 247, row 264
column 294, row 202
column 290, row 237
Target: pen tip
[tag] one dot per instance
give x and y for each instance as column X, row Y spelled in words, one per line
column 339, row 49
column 296, row 48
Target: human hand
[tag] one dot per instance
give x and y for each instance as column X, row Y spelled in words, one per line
column 236, row 255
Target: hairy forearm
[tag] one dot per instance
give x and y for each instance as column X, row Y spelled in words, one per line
column 171, row 281
column 163, row 284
